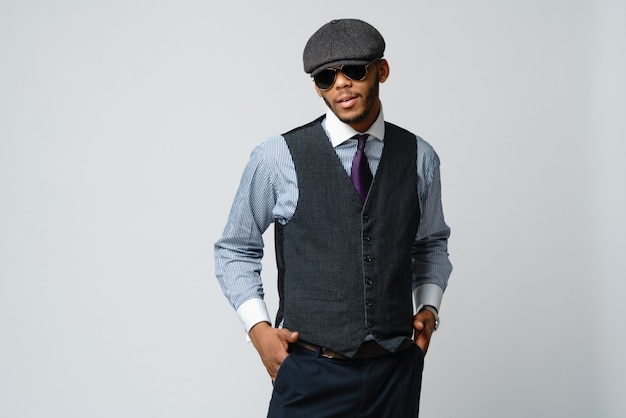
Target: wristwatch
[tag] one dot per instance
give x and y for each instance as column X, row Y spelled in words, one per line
column 434, row 311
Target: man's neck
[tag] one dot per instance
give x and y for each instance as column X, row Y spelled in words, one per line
column 339, row 131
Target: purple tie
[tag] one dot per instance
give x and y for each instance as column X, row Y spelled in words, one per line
column 360, row 173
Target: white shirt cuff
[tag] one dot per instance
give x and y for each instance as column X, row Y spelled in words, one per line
column 253, row 311
column 427, row 294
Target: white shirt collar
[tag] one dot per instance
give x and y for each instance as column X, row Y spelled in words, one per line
column 339, row 132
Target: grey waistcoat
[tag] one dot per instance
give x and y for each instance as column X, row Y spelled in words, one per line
column 344, row 268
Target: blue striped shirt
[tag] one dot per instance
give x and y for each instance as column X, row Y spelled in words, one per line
column 268, row 192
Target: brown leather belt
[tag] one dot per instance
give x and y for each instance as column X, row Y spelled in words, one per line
column 367, row 349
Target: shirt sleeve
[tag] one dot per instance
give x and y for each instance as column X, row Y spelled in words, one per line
column 239, row 251
column 431, row 265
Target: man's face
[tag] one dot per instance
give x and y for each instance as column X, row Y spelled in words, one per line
column 356, row 102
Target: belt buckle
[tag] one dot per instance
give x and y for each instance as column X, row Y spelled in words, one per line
column 326, row 353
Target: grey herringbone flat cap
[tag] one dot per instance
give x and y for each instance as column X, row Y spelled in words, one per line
column 342, row 41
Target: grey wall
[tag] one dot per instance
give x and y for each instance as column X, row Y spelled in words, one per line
column 124, row 128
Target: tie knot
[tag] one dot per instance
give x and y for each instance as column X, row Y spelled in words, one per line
column 361, row 138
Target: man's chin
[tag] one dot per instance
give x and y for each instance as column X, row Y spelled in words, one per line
column 352, row 119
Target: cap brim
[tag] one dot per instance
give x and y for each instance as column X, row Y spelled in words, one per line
column 339, row 62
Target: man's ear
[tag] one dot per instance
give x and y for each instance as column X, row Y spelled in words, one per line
column 383, row 70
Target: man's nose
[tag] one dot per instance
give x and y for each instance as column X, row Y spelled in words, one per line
column 341, row 80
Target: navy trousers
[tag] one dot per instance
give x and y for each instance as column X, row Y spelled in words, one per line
column 311, row 386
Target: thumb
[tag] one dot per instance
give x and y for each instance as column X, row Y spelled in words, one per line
column 293, row 337
column 418, row 325
column 290, row 336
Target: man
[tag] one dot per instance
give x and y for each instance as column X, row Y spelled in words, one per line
column 361, row 244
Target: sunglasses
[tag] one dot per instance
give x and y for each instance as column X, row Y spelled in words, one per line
column 326, row 78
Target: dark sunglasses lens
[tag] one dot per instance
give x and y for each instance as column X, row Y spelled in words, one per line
column 325, row 79
column 355, row 72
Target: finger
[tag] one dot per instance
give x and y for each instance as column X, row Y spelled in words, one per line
column 289, row 336
column 419, row 326
column 422, row 345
